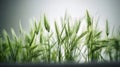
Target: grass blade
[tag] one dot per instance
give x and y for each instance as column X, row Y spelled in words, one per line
column 88, row 19
column 47, row 27
column 57, row 32
column 107, row 28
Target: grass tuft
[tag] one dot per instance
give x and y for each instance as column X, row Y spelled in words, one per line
column 68, row 44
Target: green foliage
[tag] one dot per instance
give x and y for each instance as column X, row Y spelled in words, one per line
column 65, row 44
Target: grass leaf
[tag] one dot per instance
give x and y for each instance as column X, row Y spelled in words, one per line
column 57, row 32
column 107, row 28
column 47, row 27
column 88, row 19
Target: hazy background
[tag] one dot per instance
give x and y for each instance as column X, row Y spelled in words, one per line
column 11, row 11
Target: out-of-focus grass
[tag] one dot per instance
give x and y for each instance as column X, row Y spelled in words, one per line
column 63, row 45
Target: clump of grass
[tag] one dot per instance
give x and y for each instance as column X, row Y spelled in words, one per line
column 42, row 44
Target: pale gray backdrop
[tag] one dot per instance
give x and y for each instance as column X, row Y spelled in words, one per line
column 11, row 11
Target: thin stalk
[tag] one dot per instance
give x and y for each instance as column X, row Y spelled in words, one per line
column 11, row 49
column 49, row 51
column 58, row 39
column 32, row 38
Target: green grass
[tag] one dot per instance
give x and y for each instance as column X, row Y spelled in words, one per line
column 65, row 44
